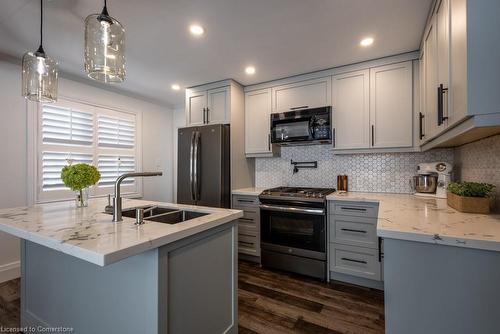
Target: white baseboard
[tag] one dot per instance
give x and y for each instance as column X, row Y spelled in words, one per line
column 10, row 271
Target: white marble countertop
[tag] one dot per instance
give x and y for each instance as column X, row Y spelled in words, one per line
column 89, row 233
column 430, row 220
column 252, row 191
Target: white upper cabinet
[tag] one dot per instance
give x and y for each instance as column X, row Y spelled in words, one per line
column 431, row 82
column 257, row 122
column 208, row 106
column 302, row 95
column 391, row 105
column 218, row 106
column 351, row 110
column 196, row 103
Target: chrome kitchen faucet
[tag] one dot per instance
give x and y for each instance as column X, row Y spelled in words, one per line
column 117, row 200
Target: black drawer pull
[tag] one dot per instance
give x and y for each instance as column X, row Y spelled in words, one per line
column 352, row 209
column 246, row 243
column 351, row 260
column 247, row 219
column 245, row 201
column 351, row 230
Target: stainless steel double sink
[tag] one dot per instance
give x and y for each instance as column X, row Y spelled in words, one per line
column 162, row 215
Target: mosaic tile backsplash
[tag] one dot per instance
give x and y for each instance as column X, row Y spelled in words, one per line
column 480, row 162
column 374, row 172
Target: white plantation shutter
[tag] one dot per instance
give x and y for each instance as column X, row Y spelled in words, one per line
column 66, row 126
column 115, row 132
column 75, row 132
column 112, row 166
column 53, row 162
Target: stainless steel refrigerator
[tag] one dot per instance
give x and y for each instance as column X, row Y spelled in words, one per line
column 203, row 166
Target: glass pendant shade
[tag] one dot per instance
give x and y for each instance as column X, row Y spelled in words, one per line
column 104, row 48
column 39, row 78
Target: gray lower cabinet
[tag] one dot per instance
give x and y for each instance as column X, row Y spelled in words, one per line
column 248, row 226
column 438, row 289
column 186, row 287
column 354, row 248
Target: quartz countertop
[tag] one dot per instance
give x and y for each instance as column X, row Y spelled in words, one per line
column 252, row 191
column 89, row 233
column 430, row 220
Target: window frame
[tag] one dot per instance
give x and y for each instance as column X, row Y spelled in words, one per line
column 36, row 147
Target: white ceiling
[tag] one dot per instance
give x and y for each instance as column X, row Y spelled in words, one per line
column 279, row 37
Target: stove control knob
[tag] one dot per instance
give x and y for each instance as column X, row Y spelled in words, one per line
column 320, row 195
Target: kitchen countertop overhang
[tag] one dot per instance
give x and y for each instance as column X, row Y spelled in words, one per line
column 89, row 234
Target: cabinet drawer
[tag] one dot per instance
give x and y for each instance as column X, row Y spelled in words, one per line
column 244, row 202
column 248, row 245
column 355, row 261
column 248, row 230
column 357, row 209
column 356, row 231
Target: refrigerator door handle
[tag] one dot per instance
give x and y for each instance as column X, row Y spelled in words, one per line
column 191, row 167
column 197, row 163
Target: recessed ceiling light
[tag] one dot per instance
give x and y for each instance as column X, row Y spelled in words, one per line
column 176, row 87
column 250, row 70
column 196, row 30
column 366, row 41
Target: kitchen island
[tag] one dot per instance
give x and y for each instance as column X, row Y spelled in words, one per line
column 82, row 271
column 441, row 267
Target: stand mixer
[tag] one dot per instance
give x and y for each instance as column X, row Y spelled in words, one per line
column 432, row 179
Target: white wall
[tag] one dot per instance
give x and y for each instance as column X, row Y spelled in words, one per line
column 157, row 147
column 179, row 121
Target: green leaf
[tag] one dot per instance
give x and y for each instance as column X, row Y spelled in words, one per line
column 471, row 189
column 80, row 176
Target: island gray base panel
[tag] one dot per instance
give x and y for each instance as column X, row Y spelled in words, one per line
column 189, row 286
column 60, row 290
column 436, row 289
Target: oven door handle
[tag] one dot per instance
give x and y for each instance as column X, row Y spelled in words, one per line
column 291, row 209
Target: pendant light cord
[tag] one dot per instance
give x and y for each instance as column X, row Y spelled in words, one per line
column 41, row 22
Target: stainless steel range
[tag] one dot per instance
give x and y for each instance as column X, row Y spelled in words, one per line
column 294, row 229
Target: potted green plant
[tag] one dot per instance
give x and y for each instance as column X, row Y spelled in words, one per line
column 79, row 178
column 471, row 197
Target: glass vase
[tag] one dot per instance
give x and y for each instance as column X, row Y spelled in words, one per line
column 82, row 198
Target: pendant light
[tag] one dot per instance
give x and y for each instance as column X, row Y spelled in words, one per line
column 39, row 72
column 104, row 47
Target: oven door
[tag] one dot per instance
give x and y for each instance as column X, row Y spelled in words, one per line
column 294, row 230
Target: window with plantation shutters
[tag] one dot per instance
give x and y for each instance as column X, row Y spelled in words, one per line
column 71, row 132
column 115, row 132
column 66, row 126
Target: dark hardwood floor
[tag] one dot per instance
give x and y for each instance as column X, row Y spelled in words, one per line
column 9, row 304
column 275, row 302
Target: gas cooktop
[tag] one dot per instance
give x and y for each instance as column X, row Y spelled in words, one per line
column 294, row 192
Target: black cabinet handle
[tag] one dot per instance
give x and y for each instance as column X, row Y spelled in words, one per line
column 352, row 209
column 207, row 110
column 269, row 142
column 421, row 125
column 204, row 122
column 441, row 117
column 301, row 107
column 246, row 219
column 380, row 254
column 245, row 201
column 351, row 260
column 351, row 230
column 334, row 137
column 373, row 135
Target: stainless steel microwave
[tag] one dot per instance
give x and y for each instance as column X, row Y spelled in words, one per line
column 302, row 127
